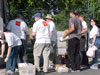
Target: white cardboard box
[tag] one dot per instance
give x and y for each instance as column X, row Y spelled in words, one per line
column 26, row 69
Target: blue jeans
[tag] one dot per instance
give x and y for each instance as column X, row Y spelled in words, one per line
column 12, row 60
column 95, row 59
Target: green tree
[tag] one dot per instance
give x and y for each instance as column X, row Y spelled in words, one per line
column 29, row 7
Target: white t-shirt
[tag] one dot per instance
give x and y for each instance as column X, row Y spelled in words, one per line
column 53, row 30
column 84, row 25
column 2, row 41
column 41, row 29
column 18, row 27
column 12, row 40
column 93, row 32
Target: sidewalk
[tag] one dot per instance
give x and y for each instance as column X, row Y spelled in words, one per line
column 2, row 71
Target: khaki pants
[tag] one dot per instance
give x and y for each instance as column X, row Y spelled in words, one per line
column 44, row 49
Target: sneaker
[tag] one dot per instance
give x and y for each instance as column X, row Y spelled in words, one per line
column 16, row 70
column 70, row 70
column 77, row 70
column 9, row 72
column 45, row 70
column 93, row 67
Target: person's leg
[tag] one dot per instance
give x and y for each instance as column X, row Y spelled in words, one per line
column 11, row 61
column 53, row 52
column 21, row 52
column 46, row 53
column 38, row 48
column 95, row 61
column 84, row 58
column 8, row 64
column 77, row 55
column 71, row 52
column 14, row 57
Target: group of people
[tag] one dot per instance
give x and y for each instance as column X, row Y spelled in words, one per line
column 76, row 32
column 45, row 35
column 16, row 36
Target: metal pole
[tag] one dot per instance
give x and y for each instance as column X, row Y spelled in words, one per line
column 88, row 28
column 88, row 16
column 93, row 8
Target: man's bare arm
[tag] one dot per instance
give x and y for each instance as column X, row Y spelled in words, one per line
column 70, row 30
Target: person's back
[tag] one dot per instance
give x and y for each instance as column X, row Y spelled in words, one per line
column 54, row 32
column 42, row 31
column 18, row 27
column 12, row 39
column 14, row 26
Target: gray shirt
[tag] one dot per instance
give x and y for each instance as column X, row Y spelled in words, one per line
column 78, row 27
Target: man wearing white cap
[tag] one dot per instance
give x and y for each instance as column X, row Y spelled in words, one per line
column 53, row 37
column 41, row 32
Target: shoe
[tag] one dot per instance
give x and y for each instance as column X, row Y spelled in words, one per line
column 38, row 72
column 45, row 71
column 9, row 72
column 51, row 66
column 77, row 70
column 16, row 70
column 92, row 67
column 73, row 71
column 70, row 70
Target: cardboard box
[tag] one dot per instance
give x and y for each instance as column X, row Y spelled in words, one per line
column 61, row 68
column 26, row 69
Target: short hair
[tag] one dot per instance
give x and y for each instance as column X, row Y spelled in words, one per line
column 74, row 12
column 82, row 16
column 18, row 15
column 94, row 20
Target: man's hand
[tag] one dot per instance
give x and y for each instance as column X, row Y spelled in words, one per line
column 1, row 56
column 6, row 59
column 33, row 35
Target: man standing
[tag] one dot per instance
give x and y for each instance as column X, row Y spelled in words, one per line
column 84, row 58
column 19, row 27
column 53, row 37
column 41, row 33
column 74, row 42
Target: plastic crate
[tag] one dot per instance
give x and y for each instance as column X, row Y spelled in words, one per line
column 26, row 69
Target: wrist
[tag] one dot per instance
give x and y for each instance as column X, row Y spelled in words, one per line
column 7, row 56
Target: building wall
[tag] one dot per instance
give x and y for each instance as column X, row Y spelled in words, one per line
column 1, row 15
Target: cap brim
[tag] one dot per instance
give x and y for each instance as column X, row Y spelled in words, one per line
column 48, row 18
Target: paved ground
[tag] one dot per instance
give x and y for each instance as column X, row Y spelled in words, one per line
column 84, row 72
